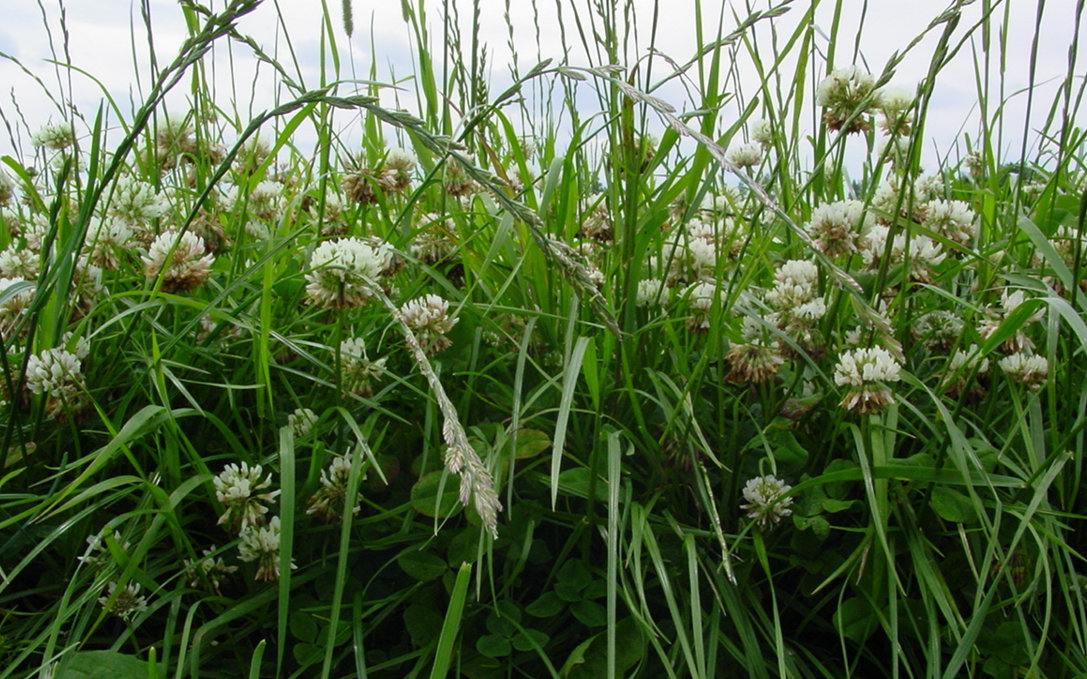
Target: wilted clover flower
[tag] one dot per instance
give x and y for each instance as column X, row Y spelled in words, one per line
column 237, row 488
column 179, row 259
column 357, row 371
column 428, row 316
column 210, row 569
column 55, row 136
column 1026, row 368
column 842, row 95
column 434, row 242
column 745, row 156
column 766, row 499
column 301, row 421
column 329, row 500
column 97, row 552
column 125, row 602
column 866, row 371
column 342, row 271
column 261, row 544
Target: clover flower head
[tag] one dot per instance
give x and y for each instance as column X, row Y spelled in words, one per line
column 866, row 371
column 841, row 94
column 763, row 132
column 428, row 316
column 127, row 602
column 952, row 219
column 836, row 227
column 135, row 203
column 651, row 291
column 261, row 544
column 237, row 487
column 357, row 371
column 342, row 271
column 1026, row 368
column 329, row 501
column 700, row 301
column 19, row 264
column 796, row 282
column 54, row 136
column 301, row 421
column 57, row 373
column 210, row 569
column 745, row 156
column 180, row 259
column 767, row 500
column 753, row 362
column 97, row 552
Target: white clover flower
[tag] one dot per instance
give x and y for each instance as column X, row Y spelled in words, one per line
column 651, row 291
column 343, row 271
column 399, row 159
column 330, row 499
column 938, row 329
column 434, row 242
column 266, row 201
column 428, row 316
column 796, row 282
column 19, row 264
column 767, row 500
column 55, row 136
column 7, row 188
column 301, row 421
column 1026, row 368
column 97, row 552
column 57, row 373
column 700, row 298
column 895, row 99
column 762, row 132
column 960, row 366
column 866, row 371
column 745, row 156
column 109, row 241
column 841, row 94
column 136, row 203
column 179, row 259
column 357, row 371
column 836, row 228
column 261, row 544
column 126, row 602
column 753, row 362
column 237, row 488
column 952, row 219
column 210, row 569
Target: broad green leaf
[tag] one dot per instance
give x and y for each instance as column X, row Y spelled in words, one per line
column 424, row 495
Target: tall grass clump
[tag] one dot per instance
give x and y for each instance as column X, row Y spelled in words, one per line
column 622, row 364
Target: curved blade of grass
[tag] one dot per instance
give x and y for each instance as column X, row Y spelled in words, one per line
column 443, row 655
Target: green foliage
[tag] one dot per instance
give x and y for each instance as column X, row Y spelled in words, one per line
column 553, row 380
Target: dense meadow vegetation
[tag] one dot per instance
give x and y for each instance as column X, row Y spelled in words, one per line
column 558, row 378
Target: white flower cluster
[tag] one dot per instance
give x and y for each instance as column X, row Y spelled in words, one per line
column 952, row 219
column 866, row 371
column 1026, row 368
column 700, row 301
column 343, row 272
column 796, row 300
column 434, row 241
column 136, row 203
column 54, row 136
column 210, row 569
column 329, row 501
column 57, row 373
column 261, row 544
column 919, row 253
column 745, row 156
column 651, row 292
column 428, row 316
column 237, row 487
column 837, row 228
column 357, row 371
column 767, row 500
column 123, row 603
column 180, row 259
column 301, row 421
column 844, row 94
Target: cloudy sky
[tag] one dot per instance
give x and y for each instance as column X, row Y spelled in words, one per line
column 107, row 39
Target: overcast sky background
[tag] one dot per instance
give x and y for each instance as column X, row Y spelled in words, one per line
column 107, row 40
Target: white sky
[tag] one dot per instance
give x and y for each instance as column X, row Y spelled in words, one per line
column 106, row 38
